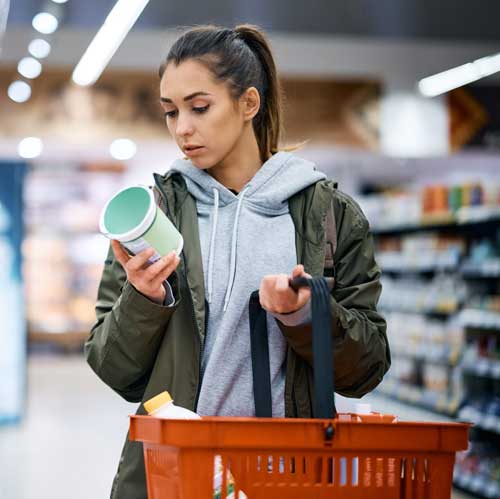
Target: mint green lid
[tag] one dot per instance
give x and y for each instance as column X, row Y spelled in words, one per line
column 128, row 214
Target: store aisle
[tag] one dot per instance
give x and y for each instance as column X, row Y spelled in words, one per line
column 70, row 441
column 69, row 444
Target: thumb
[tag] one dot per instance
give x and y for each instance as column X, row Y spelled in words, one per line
column 297, row 271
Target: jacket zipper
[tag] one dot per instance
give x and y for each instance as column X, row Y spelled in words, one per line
column 193, row 313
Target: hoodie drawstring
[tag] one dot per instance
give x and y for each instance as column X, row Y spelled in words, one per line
column 212, row 244
column 211, row 251
column 232, row 270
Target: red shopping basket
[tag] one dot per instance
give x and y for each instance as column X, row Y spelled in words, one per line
column 350, row 456
column 299, row 458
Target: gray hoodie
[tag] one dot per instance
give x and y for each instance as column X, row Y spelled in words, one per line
column 243, row 238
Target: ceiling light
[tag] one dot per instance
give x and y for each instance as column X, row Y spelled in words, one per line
column 19, row 91
column 29, row 67
column 107, row 40
column 45, row 23
column 459, row 76
column 59, row 1
column 39, row 48
column 122, row 149
column 30, row 147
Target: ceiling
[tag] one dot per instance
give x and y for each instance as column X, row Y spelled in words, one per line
column 461, row 20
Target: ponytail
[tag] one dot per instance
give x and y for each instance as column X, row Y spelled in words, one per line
column 268, row 122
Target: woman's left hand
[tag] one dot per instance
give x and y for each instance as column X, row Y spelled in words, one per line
column 276, row 296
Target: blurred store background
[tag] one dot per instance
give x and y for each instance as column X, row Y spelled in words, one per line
column 421, row 155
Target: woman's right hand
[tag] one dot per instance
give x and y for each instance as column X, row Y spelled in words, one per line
column 145, row 277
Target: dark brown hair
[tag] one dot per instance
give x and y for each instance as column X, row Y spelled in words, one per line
column 242, row 58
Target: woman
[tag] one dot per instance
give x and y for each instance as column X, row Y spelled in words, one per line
column 251, row 217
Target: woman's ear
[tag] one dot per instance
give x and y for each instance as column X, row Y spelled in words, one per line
column 250, row 103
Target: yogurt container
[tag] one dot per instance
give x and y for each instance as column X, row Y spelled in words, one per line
column 132, row 217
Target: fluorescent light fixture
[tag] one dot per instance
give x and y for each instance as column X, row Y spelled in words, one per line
column 459, row 76
column 19, row 91
column 59, row 1
column 29, row 67
column 30, row 147
column 45, row 23
column 107, row 40
column 122, row 149
column 39, row 48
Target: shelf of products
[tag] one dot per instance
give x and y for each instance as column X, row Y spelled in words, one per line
column 477, row 470
column 480, row 319
column 63, row 252
column 439, row 250
column 442, row 295
column 425, row 399
column 440, row 207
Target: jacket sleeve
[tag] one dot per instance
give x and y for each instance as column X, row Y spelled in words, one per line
column 124, row 341
column 361, row 351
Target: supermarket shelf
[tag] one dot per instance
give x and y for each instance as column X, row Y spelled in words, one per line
column 489, row 269
column 477, row 484
column 433, row 312
column 417, row 269
column 487, row 422
column 422, row 262
column 477, row 218
column 431, row 355
column 480, row 319
column 418, row 397
column 69, row 340
column 484, row 368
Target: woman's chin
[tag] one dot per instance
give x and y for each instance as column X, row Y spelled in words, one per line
column 203, row 163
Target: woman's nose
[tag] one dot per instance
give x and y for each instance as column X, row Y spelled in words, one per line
column 184, row 126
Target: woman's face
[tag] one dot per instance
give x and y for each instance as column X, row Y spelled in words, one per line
column 200, row 113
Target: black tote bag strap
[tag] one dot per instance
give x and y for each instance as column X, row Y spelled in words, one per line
column 322, row 350
column 261, row 371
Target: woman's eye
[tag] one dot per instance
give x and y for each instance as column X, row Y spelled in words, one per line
column 200, row 110
column 170, row 114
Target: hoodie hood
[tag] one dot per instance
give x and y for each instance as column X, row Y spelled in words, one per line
column 267, row 193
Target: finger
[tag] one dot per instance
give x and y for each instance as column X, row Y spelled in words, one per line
column 297, row 270
column 120, row 254
column 166, row 273
column 281, row 283
column 139, row 260
column 267, row 284
column 154, row 269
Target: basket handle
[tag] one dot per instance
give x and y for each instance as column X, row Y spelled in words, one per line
column 322, row 349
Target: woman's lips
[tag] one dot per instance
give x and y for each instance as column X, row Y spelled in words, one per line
column 194, row 152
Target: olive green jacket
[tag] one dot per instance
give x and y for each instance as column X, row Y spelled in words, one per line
column 140, row 348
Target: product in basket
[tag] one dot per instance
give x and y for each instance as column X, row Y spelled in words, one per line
column 162, row 406
column 132, row 217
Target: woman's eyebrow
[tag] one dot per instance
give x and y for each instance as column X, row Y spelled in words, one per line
column 188, row 97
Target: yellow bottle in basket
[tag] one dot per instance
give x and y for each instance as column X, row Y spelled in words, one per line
column 162, row 406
